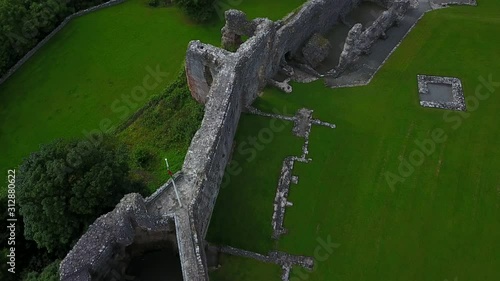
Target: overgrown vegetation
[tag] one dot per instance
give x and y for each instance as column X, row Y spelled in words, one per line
column 49, row 273
column 160, row 3
column 164, row 129
column 23, row 23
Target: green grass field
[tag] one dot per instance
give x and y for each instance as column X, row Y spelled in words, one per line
column 441, row 223
column 85, row 72
column 251, row 187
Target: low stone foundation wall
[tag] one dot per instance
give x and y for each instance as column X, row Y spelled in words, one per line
column 284, row 260
column 457, row 92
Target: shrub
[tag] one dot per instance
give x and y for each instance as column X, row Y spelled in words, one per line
column 198, row 10
column 142, row 157
column 49, row 273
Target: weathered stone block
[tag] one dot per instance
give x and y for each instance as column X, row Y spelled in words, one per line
column 316, row 49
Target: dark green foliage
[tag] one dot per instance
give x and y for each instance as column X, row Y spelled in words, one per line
column 66, row 185
column 49, row 273
column 198, row 10
column 142, row 157
column 189, row 113
column 23, row 23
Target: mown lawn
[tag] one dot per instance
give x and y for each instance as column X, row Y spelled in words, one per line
column 250, row 186
column 442, row 221
column 89, row 70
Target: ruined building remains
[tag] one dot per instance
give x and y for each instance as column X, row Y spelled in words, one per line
column 226, row 81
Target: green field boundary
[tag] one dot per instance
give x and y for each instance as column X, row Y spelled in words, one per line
column 47, row 38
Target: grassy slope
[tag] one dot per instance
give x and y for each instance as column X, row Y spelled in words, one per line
column 163, row 129
column 442, row 222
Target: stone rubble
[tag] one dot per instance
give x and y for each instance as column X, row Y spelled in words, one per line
column 316, row 50
column 360, row 42
column 283, row 86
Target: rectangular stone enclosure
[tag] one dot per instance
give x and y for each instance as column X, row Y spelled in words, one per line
column 441, row 92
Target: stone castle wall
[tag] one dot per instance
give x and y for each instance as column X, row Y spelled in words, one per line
column 313, row 17
column 228, row 82
column 235, row 85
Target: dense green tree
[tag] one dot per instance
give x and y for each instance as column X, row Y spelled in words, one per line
column 198, row 10
column 66, row 185
column 49, row 273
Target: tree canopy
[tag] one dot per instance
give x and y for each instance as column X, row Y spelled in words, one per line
column 49, row 273
column 198, row 10
column 66, row 185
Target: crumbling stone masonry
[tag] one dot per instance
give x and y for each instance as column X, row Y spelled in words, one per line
column 445, row 3
column 316, row 50
column 360, row 41
column 100, row 254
